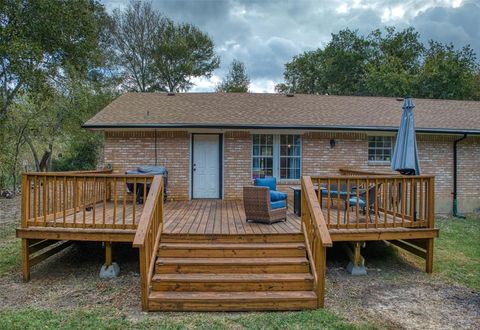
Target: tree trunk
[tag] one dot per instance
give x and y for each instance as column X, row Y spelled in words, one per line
column 34, row 153
column 15, row 161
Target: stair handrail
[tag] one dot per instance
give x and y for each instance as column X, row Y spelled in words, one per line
column 147, row 237
column 317, row 236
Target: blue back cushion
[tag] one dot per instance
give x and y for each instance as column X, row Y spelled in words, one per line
column 269, row 182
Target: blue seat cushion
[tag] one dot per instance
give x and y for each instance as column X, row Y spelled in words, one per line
column 333, row 193
column 278, row 204
column 353, row 202
column 276, row 196
column 269, row 182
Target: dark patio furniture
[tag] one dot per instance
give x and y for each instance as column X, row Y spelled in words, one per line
column 148, row 170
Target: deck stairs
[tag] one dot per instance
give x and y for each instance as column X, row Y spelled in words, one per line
column 232, row 273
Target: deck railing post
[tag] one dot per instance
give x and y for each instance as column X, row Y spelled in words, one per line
column 321, row 269
column 431, row 202
column 25, row 201
column 143, row 278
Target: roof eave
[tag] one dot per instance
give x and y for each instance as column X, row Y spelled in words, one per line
column 261, row 126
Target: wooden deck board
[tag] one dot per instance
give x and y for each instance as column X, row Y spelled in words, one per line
column 221, row 217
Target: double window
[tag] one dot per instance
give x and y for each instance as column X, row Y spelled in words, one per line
column 276, row 155
column 380, row 148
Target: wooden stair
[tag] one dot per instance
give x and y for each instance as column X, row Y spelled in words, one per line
column 221, row 274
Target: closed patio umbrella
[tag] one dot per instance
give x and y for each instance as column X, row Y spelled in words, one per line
column 405, row 155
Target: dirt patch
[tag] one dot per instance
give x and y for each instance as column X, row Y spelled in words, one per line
column 398, row 295
column 70, row 280
column 395, row 294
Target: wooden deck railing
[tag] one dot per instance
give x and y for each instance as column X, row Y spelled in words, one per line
column 317, row 237
column 357, row 200
column 148, row 234
column 88, row 199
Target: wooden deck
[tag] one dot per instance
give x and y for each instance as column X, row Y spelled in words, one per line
column 182, row 244
column 220, row 217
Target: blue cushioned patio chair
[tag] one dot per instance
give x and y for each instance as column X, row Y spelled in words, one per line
column 259, row 207
column 362, row 201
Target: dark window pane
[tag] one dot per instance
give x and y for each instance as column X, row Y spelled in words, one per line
column 296, row 140
column 297, row 162
column 297, row 151
column 297, row 174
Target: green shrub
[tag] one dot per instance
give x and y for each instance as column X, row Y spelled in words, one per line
column 81, row 154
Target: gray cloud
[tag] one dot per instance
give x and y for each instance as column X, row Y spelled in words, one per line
column 458, row 25
column 266, row 34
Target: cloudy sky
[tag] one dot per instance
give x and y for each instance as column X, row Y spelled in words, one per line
column 266, row 34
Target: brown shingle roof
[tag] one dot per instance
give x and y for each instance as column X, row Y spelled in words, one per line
column 142, row 110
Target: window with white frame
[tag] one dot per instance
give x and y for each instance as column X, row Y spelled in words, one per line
column 276, row 155
column 262, row 156
column 380, row 148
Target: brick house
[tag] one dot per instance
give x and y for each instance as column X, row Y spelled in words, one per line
column 215, row 143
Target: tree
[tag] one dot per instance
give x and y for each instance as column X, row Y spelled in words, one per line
column 133, row 39
column 448, row 73
column 345, row 58
column 305, row 73
column 236, row 80
column 38, row 38
column 155, row 54
column 395, row 64
column 337, row 69
column 390, row 63
column 181, row 53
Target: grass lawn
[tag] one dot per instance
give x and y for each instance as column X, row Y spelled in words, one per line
column 9, row 249
column 457, row 251
column 105, row 319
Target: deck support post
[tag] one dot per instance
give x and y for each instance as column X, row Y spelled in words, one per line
column 25, row 260
column 429, row 256
column 110, row 269
column 108, row 253
column 356, row 266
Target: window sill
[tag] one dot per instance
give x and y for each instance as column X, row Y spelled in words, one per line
column 378, row 163
column 289, row 182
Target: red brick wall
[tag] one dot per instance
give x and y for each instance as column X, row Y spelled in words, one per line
column 436, row 158
column 237, row 163
column 469, row 175
column 127, row 150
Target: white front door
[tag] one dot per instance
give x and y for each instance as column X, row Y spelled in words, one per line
column 206, row 166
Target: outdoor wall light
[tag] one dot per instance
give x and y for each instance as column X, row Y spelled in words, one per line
column 332, row 143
